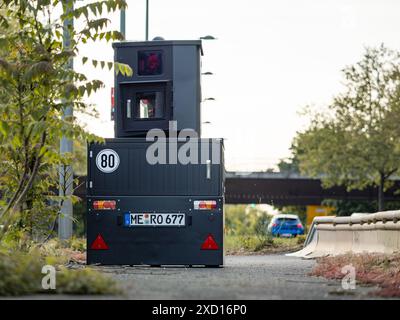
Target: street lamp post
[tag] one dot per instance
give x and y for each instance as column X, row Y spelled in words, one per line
column 208, row 99
column 208, row 37
column 122, row 23
column 147, row 20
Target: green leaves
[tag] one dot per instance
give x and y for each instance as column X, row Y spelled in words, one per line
column 96, row 8
column 87, row 88
column 4, row 128
column 6, row 66
column 38, row 69
column 93, row 86
column 64, row 55
column 122, row 68
column 4, row 22
column 98, row 24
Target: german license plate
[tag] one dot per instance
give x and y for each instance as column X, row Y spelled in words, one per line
column 154, row 219
column 286, row 235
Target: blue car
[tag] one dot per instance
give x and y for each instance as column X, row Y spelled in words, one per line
column 285, row 225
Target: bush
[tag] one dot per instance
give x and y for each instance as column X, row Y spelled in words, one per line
column 85, row 281
column 265, row 238
column 247, row 242
column 301, row 239
column 246, row 228
column 267, row 242
column 77, row 244
column 245, row 220
column 21, row 275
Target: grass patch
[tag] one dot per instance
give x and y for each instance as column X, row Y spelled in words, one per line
column 253, row 244
column 371, row 269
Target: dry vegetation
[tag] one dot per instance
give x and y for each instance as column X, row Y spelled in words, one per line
column 371, row 269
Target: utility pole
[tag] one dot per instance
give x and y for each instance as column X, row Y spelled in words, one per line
column 147, row 20
column 66, row 172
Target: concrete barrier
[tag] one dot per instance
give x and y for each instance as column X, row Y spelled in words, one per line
column 378, row 232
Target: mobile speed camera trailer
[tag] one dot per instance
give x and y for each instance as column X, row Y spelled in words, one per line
column 146, row 212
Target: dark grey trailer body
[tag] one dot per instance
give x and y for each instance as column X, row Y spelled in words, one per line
column 139, row 187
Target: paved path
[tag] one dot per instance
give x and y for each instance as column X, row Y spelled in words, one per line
column 244, row 277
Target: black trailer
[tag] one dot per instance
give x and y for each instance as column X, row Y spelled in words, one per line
column 155, row 214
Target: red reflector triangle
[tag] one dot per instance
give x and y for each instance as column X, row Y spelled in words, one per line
column 209, row 243
column 99, row 243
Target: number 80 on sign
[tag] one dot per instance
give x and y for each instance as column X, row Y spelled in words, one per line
column 107, row 160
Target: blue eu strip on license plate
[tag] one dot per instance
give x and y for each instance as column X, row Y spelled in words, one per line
column 154, row 219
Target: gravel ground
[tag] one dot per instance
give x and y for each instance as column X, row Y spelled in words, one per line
column 243, row 277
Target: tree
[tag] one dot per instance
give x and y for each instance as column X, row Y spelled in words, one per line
column 347, row 207
column 35, row 87
column 290, row 165
column 356, row 143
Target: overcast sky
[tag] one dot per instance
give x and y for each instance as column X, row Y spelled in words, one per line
column 271, row 59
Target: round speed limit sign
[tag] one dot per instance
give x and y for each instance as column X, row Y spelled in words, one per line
column 107, row 160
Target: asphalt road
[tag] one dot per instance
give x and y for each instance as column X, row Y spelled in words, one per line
column 243, row 277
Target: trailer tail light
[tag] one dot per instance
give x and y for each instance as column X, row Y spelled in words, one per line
column 104, row 205
column 209, row 243
column 99, row 243
column 205, row 205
